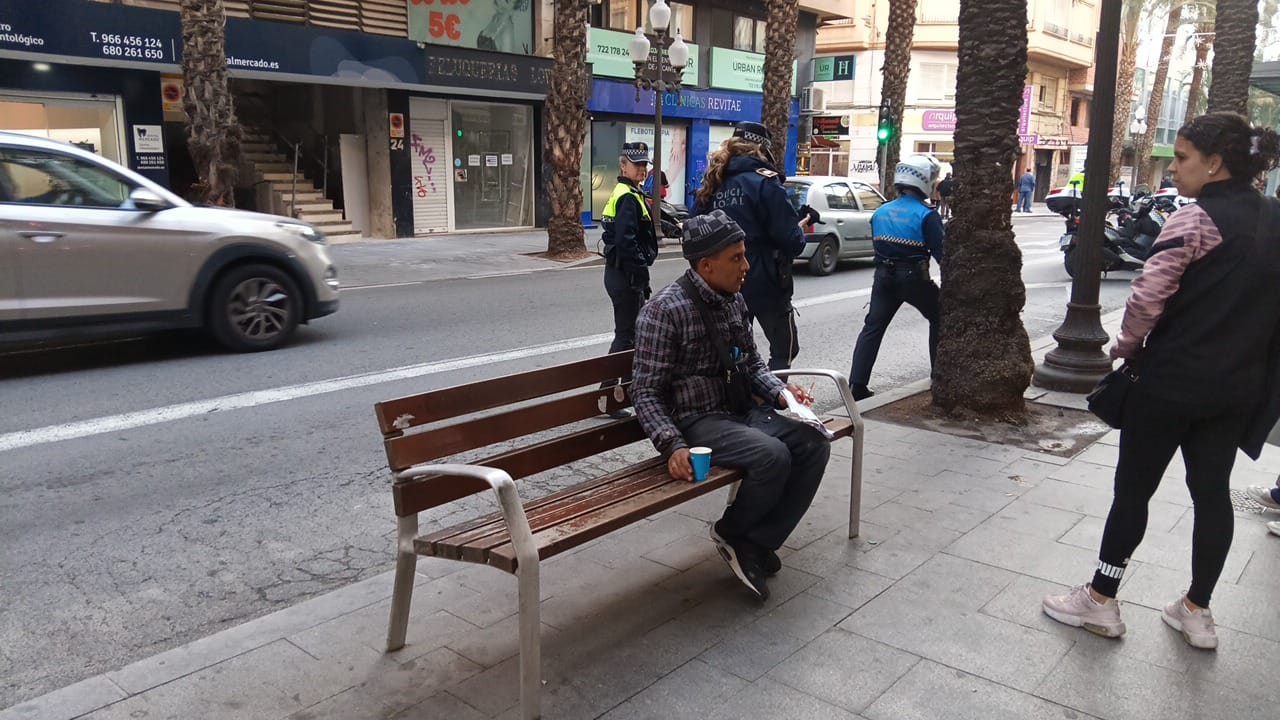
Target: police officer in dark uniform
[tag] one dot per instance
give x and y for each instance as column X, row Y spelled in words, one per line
column 630, row 246
column 743, row 180
column 905, row 233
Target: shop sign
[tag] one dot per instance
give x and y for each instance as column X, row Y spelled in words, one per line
column 610, row 96
column 609, row 53
column 831, row 125
column 460, row 67
column 128, row 34
column 738, row 70
column 938, row 121
column 1053, row 142
column 500, row 25
column 839, row 67
column 1028, row 139
column 1024, row 112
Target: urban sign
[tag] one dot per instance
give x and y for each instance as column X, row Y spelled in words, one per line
column 1024, row 112
column 466, row 68
column 738, row 70
column 837, row 67
column 938, row 121
column 831, row 125
column 609, row 52
column 497, row 25
column 611, row 96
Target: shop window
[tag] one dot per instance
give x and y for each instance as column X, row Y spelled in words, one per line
column 492, row 183
column 38, row 178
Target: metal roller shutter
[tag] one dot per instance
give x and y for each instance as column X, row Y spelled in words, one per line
column 430, row 170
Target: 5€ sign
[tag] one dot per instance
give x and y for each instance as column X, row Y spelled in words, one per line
column 442, row 24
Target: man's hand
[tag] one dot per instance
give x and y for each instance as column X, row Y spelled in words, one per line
column 680, row 466
column 803, row 395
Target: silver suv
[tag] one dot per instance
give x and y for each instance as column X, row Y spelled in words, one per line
column 90, row 248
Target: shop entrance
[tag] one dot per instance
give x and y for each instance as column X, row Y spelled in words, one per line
column 88, row 122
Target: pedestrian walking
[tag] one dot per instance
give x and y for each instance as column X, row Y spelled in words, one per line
column 743, row 180
column 1200, row 334
column 630, row 247
column 905, row 234
column 697, row 377
column 944, row 196
column 1026, row 187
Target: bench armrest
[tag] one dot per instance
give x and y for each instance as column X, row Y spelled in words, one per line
column 842, row 384
column 508, row 502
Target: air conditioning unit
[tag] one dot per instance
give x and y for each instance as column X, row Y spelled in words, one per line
column 812, row 99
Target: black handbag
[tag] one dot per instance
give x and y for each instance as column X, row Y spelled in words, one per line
column 1107, row 400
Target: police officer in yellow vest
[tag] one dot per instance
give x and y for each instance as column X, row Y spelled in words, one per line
column 630, row 245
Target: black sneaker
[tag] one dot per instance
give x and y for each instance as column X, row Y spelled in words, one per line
column 860, row 392
column 620, row 414
column 770, row 561
column 744, row 561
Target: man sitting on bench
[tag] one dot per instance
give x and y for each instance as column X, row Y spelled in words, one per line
column 694, row 388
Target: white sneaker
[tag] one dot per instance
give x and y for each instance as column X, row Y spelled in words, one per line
column 1077, row 608
column 1274, row 527
column 1262, row 496
column 1196, row 626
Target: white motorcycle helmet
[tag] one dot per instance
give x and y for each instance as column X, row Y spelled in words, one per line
column 917, row 171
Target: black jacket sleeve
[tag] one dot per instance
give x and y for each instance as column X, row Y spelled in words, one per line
column 782, row 219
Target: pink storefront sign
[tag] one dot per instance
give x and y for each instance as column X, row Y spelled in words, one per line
column 938, row 121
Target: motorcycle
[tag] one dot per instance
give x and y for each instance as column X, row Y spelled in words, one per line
column 1128, row 235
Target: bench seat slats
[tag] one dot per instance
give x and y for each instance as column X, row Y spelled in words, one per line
column 395, row 416
column 581, row 513
column 409, row 450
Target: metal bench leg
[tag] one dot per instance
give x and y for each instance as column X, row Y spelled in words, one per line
column 402, row 592
column 530, row 642
column 855, row 481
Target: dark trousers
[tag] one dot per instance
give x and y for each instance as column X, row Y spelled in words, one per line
column 779, row 327
column 626, row 308
column 782, row 460
column 1153, row 428
column 893, row 286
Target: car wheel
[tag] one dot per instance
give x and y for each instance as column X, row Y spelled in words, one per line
column 1070, row 261
column 824, row 257
column 253, row 308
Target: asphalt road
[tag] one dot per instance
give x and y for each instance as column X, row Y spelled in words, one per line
column 156, row 491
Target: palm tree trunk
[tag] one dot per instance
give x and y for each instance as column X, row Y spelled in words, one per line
column 1203, row 43
column 566, row 113
column 780, row 50
column 213, row 133
column 1144, row 161
column 984, row 356
column 1124, row 83
column 1233, row 61
column 893, row 90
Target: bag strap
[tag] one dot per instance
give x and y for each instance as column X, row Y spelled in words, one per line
column 713, row 331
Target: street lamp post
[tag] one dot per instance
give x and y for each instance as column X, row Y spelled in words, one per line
column 659, row 65
column 1078, row 362
column 1137, row 129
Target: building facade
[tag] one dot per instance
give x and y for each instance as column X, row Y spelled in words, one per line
column 841, row 108
column 404, row 117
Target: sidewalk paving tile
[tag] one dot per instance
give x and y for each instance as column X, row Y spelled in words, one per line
column 844, row 669
column 850, row 587
column 1028, row 518
column 71, row 701
column 694, row 690
column 769, row 700
column 930, row 691
column 1170, row 550
column 1249, row 610
column 1026, row 555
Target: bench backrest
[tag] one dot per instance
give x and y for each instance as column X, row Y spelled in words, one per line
column 416, row 430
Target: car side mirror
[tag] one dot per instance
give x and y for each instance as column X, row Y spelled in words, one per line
column 147, row 201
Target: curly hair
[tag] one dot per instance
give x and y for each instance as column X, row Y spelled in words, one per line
column 1246, row 151
column 719, row 160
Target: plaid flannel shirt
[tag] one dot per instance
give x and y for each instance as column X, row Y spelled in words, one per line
column 677, row 374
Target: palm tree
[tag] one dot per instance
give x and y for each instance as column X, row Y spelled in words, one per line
column 984, row 356
column 1142, row 153
column 779, row 50
column 566, row 114
column 1203, row 39
column 213, row 133
column 1233, row 61
column 1124, row 81
column 893, row 89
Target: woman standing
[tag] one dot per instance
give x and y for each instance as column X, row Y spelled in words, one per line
column 1201, row 334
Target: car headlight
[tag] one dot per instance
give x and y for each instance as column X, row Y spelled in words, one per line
column 306, row 232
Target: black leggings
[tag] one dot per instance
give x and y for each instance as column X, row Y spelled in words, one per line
column 1153, row 429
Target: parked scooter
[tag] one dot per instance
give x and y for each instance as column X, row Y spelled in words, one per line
column 1128, row 236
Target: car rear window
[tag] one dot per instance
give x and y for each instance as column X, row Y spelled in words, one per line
column 797, row 193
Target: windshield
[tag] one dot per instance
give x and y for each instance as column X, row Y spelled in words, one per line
column 797, row 193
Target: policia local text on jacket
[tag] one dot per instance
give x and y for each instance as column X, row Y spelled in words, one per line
column 752, row 195
column 630, row 247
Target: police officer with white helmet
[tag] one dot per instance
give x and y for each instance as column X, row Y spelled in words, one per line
column 905, row 234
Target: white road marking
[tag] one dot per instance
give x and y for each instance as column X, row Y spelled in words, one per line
column 384, row 285
column 254, row 398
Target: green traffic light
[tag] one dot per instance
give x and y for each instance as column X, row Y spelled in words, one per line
column 459, row 133
column 882, row 134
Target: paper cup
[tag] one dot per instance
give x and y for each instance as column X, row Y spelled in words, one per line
column 701, row 457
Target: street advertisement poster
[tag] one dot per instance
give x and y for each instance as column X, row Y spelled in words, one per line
column 500, row 25
column 837, row 67
column 740, row 70
column 148, row 139
column 609, row 52
column 673, row 153
column 1024, row 112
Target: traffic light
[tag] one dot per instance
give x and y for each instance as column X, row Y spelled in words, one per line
column 884, row 130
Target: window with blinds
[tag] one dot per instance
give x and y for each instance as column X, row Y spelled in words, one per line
column 381, row 17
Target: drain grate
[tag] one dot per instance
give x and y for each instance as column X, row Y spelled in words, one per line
column 1241, row 501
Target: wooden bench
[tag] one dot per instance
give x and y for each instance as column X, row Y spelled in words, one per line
column 421, row 429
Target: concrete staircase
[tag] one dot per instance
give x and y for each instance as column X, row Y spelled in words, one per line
column 309, row 205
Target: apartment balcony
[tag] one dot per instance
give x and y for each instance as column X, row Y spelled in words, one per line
column 827, row 8
column 841, row 36
column 1060, row 45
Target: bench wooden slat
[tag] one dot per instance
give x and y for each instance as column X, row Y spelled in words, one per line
column 409, row 450
column 401, row 414
column 425, row 494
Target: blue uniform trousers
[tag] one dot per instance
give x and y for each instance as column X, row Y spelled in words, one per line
column 893, row 285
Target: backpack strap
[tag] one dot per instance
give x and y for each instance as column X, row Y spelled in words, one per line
column 727, row 362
